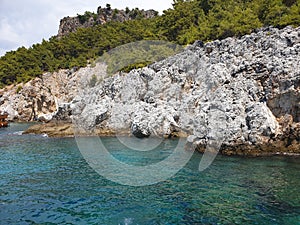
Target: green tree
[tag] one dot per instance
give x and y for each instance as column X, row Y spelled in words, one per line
column 93, row 81
column 292, row 17
column 108, row 6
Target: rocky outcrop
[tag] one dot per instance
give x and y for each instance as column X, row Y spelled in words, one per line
column 104, row 15
column 65, row 129
column 243, row 93
column 46, row 98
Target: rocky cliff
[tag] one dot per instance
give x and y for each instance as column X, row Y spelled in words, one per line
column 244, row 92
column 43, row 97
column 104, row 15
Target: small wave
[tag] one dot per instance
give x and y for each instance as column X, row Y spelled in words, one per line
column 17, row 133
column 287, row 154
column 44, row 135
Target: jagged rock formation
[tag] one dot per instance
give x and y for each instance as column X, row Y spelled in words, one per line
column 45, row 97
column 104, row 15
column 243, row 92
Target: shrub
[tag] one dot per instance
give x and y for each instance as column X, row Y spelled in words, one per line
column 19, row 88
column 93, row 81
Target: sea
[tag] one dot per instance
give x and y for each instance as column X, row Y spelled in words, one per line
column 49, row 181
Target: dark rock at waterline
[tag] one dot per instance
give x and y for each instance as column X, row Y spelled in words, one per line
column 139, row 131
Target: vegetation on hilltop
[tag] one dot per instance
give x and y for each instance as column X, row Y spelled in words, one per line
column 186, row 22
column 217, row 19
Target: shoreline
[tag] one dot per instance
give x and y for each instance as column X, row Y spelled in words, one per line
column 66, row 130
column 243, row 90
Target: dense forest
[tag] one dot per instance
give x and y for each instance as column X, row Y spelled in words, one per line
column 186, row 22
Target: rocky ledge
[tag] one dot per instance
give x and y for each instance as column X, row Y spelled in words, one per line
column 66, row 129
column 243, row 93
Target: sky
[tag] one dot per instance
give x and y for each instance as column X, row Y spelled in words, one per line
column 26, row 22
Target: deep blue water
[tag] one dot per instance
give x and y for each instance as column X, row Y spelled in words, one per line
column 47, row 181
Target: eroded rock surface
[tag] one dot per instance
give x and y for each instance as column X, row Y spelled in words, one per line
column 46, row 98
column 241, row 92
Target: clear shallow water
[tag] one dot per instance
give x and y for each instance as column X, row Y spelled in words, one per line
column 47, row 181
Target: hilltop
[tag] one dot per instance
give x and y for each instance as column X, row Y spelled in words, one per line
column 103, row 16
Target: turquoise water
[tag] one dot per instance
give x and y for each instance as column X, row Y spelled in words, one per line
column 47, row 181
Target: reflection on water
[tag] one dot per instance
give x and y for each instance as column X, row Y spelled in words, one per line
column 46, row 180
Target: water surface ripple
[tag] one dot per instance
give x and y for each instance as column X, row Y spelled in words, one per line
column 47, row 181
